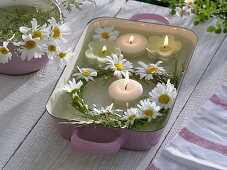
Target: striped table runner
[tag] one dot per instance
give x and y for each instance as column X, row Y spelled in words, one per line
column 202, row 144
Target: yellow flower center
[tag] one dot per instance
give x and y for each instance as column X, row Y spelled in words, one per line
column 4, row 51
column 132, row 117
column 164, row 99
column 86, row 73
column 37, row 34
column 62, row 55
column 119, row 66
column 148, row 113
column 30, row 44
column 151, row 70
column 190, row 3
column 52, row 48
column 57, row 32
column 105, row 35
column 74, row 90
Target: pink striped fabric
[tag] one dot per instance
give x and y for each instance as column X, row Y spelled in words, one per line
column 206, row 145
column 219, row 101
column 195, row 139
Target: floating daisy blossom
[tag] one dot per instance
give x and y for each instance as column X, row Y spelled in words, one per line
column 131, row 115
column 37, row 32
column 96, row 111
column 72, row 86
column 105, row 33
column 147, row 71
column 150, row 110
column 190, row 3
column 119, row 65
column 58, row 32
column 164, row 94
column 5, row 54
column 86, row 74
column 31, row 48
column 184, row 12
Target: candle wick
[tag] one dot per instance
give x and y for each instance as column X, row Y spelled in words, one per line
column 130, row 42
column 165, row 46
column 126, row 86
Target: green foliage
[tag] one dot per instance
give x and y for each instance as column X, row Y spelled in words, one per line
column 203, row 11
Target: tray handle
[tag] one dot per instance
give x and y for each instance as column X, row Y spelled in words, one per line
column 155, row 17
column 95, row 147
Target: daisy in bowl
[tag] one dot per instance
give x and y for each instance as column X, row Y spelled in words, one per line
column 131, row 115
column 30, row 48
column 63, row 57
column 5, row 54
column 36, row 31
column 149, row 110
column 58, row 32
column 52, row 49
column 86, row 74
column 119, row 65
column 164, row 94
column 147, row 71
column 72, row 86
column 105, row 34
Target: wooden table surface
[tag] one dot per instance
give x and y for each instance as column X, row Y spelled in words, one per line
column 28, row 138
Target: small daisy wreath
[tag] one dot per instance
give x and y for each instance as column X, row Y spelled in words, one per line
column 105, row 34
column 152, row 109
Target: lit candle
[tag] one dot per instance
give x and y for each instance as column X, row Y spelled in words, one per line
column 163, row 47
column 132, row 45
column 98, row 51
column 125, row 90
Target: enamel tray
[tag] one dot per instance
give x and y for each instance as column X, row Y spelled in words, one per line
column 100, row 139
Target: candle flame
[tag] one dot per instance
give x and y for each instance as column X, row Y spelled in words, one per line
column 126, row 104
column 126, row 82
column 131, row 39
column 104, row 48
column 166, row 41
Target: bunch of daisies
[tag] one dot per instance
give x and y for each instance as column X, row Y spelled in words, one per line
column 37, row 41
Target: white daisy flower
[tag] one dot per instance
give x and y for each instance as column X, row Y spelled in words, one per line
column 131, row 115
column 63, row 57
column 31, row 48
column 147, row 71
column 40, row 33
column 190, row 2
column 183, row 12
column 96, row 111
column 105, row 33
column 119, row 65
column 58, row 32
column 164, row 94
column 85, row 73
column 5, row 54
column 150, row 110
column 52, row 49
column 72, row 87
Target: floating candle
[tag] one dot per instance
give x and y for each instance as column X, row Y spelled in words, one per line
column 125, row 90
column 98, row 51
column 163, row 47
column 132, row 45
